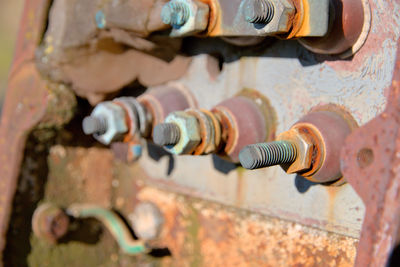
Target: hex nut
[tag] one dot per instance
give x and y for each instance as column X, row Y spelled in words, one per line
column 280, row 22
column 147, row 221
column 116, row 123
column 190, row 136
column 304, row 147
column 50, row 223
column 198, row 19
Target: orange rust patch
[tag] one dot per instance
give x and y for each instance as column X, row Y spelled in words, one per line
column 228, row 237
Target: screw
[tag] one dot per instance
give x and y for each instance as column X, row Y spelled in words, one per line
column 94, row 125
column 166, row 134
column 267, row 154
column 50, row 223
column 175, row 13
column 147, row 221
column 258, row 11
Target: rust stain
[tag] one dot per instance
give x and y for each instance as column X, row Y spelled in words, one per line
column 377, row 183
column 227, row 237
column 240, row 189
column 332, row 193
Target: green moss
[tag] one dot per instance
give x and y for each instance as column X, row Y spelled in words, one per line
column 192, row 238
column 71, row 254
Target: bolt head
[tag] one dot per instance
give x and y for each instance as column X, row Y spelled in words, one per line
column 198, row 18
column 304, row 148
column 147, row 221
column 50, row 223
column 258, row 11
column 170, row 16
column 166, row 14
column 189, row 133
column 116, row 122
column 281, row 20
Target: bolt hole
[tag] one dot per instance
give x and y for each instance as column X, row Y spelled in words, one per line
column 365, row 157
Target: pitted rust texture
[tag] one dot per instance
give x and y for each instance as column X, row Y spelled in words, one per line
column 77, row 51
column 198, row 232
column 370, row 162
column 25, row 106
column 90, row 175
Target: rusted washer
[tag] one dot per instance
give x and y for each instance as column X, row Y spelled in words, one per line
column 214, row 16
column 50, row 223
column 328, row 127
column 132, row 118
column 163, row 100
column 208, row 131
column 348, row 30
column 242, row 123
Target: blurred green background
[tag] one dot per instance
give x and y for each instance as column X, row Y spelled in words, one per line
column 10, row 14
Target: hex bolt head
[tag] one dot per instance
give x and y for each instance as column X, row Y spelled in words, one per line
column 111, row 122
column 147, row 221
column 267, row 154
column 94, row 125
column 166, row 134
column 50, row 223
column 258, row 11
column 175, row 13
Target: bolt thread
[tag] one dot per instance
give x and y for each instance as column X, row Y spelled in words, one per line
column 267, row 154
column 259, row 11
column 94, row 125
column 175, row 13
column 166, row 134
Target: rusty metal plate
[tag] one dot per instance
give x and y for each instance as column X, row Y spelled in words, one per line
column 196, row 232
column 294, row 80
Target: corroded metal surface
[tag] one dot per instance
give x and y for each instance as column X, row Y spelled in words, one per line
column 25, row 106
column 370, row 162
column 204, row 234
column 195, row 232
column 295, row 81
column 75, row 50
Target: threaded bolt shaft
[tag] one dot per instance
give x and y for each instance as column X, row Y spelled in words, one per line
column 267, row 154
column 94, row 125
column 259, row 11
column 175, row 13
column 166, row 134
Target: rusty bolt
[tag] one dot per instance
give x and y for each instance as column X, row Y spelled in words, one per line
column 166, row 134
column 107, row 123
column 186, row 16
column 293, row 151
column 304, row 146
column 267, row 154
column 258, row 11
column 94, row 125
column 274, row 15
column 189, row 129
column 175, row 13
column 50, row 223
column 147, row 221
